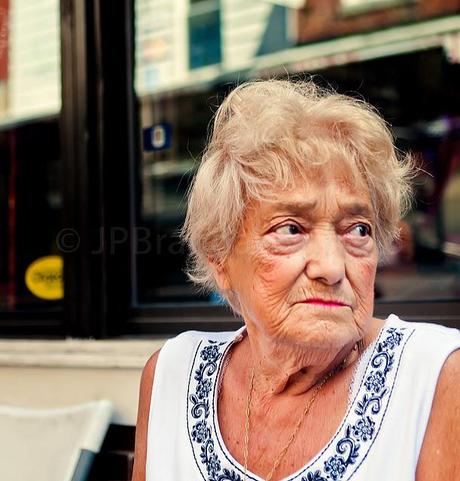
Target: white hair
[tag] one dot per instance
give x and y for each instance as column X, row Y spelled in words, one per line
column 267, row 133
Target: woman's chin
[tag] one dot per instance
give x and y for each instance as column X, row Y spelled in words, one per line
column 330, row 331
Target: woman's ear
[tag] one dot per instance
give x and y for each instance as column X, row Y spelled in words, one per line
column 220, row 275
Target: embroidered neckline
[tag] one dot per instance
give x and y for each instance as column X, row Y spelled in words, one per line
column 344, row 452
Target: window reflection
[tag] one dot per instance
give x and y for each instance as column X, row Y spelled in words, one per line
column 30, row 216
column 181, row 78
column 30, row 195
column 425, row 262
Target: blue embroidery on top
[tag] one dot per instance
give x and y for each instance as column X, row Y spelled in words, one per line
column 369, row 406
column 367, row 416
column 314, row 476
column 201, row 430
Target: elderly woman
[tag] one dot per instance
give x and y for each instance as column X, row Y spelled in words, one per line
column 299, row 192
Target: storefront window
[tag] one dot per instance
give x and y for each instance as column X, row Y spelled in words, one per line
column 415, row 89
column 204, row 33
column 30, row 195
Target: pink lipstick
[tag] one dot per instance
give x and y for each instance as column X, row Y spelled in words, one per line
column 325, row 302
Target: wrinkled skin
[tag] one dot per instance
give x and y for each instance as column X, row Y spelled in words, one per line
column 321, row 246
column 303, row 270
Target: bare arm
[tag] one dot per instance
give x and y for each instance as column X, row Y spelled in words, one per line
column 440, row 454
column 145, row 392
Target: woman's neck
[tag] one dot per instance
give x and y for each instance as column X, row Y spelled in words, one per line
column 281, row 368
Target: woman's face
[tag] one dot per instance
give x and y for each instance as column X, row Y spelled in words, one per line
column 304, row 265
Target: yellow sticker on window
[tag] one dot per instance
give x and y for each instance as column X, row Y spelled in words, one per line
column 44, row 278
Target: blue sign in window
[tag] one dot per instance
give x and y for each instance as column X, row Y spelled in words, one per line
column 158, row 137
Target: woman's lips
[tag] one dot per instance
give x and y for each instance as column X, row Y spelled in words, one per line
column 325, row 302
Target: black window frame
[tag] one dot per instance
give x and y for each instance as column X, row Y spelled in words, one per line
column 100, row 137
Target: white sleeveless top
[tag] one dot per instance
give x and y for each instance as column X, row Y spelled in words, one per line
column 379, row 438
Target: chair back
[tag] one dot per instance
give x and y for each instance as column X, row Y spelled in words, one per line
column 51, row 444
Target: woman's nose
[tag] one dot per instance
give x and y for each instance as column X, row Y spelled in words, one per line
column 325, row 258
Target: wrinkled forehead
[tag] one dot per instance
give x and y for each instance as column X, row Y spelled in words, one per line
column 323, row 192
column 310, row 182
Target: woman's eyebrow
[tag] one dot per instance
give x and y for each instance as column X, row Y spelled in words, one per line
column 297, row 207
column 303, row 207
column 356, row 208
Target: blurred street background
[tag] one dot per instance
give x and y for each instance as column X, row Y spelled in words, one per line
column 104, row 113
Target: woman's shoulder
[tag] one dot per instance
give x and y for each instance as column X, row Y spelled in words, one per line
column 426, row 333
column 178, row 352
column 172, row 362
column 426, row 348
column 195, row 336
column 189, row 340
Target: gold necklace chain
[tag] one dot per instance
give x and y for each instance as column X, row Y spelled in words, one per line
column 295, row 430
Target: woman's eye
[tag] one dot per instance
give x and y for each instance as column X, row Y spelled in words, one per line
column 288, row 229
column 361, row 230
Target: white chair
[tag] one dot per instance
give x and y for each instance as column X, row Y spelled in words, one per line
column 51, row 444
